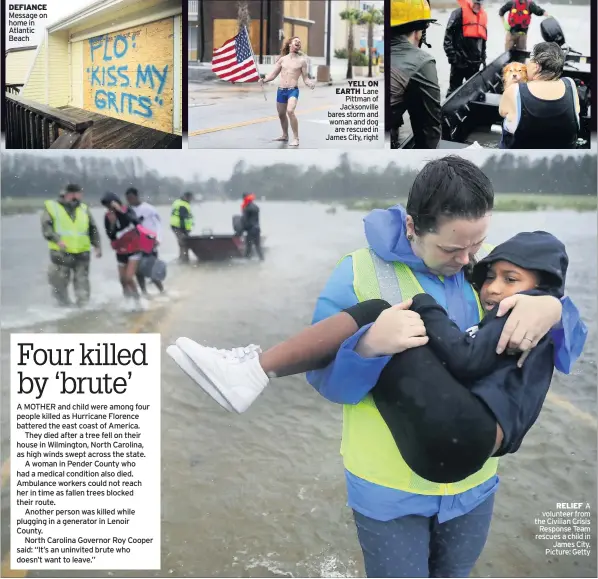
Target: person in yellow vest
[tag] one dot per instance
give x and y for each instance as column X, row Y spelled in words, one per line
column 71, row 232
column 181, row 223
column 409, row 526
column 465, row 41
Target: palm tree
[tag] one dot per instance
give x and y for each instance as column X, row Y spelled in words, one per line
column 243, row 17
column 351, row 16
column 371, row 17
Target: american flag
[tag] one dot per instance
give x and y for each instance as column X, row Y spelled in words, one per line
column 233, row 61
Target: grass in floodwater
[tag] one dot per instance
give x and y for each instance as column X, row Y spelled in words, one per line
column 502, row 202
column 505, row 202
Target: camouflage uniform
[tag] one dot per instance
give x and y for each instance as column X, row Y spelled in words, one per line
column 63, row 265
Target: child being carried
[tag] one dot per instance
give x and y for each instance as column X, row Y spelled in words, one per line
column 449, row 400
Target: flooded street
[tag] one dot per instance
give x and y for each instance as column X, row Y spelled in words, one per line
column 574, row 20
column 263, row 494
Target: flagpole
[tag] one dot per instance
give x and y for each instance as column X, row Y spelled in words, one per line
column 256, row 64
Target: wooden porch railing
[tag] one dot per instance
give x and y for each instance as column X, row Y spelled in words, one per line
column 14, row 88
column 30, row 125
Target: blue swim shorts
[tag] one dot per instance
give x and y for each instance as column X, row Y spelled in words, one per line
column 284, row 94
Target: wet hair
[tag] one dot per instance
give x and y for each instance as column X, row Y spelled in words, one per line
column 132, row 191
column 187, row 195
column 286, row 46
column 72, row 188
column 108, row 198
column 452, row 188
column 550, row 59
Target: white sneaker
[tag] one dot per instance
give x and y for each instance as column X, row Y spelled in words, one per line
column 186, row 365
column 236, row 374
column 240, row 352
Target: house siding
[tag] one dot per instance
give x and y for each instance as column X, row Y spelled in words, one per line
column 59, row 77
column 35, row 87
column 18, row 65
column 117, row 63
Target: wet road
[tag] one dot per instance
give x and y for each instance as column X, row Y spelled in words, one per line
column 225, row 116
column 262, row 494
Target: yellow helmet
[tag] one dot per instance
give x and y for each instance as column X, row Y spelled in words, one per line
column 407, row 11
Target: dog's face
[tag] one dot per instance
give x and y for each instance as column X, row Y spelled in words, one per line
column 514, row 72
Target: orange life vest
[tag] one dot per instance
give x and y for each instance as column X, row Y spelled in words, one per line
column 474, row 25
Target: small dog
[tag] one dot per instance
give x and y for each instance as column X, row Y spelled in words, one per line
column 514, row 72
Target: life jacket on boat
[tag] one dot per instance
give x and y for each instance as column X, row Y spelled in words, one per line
column 519, row 15
column 474, row 25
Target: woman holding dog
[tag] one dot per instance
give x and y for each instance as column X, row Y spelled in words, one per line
column 407, row 526
column 540, row 108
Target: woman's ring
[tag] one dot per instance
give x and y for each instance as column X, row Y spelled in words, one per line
column 526, row 338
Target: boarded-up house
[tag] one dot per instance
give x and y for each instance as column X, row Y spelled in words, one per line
column 118, row 58
column 213, row 22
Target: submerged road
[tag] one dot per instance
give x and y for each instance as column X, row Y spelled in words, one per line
column 226, row 116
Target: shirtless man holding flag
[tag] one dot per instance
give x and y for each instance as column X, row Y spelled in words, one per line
column 291, row 65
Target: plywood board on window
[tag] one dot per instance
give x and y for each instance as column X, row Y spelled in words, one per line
column 226, row 28
column 296, row 8
column 301, row 31
column 288, row 31
column 77, row 74
column 128, row 74
column 254, row 35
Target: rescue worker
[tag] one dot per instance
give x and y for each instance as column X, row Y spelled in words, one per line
column 414, row 84
column 518, row 20
column 71, row 232
column 251, row 225
column 465, row 41
column 181, row 223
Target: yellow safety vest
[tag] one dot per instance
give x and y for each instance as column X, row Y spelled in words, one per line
column 74, row 233
column 175, row 217
column 369, row 451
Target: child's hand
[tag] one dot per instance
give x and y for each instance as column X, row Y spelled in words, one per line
column 397, row 329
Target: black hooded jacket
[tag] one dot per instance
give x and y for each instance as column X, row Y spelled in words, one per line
column 514, row 395
column 251, row 218
column 123, row 220
column 414, row 89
